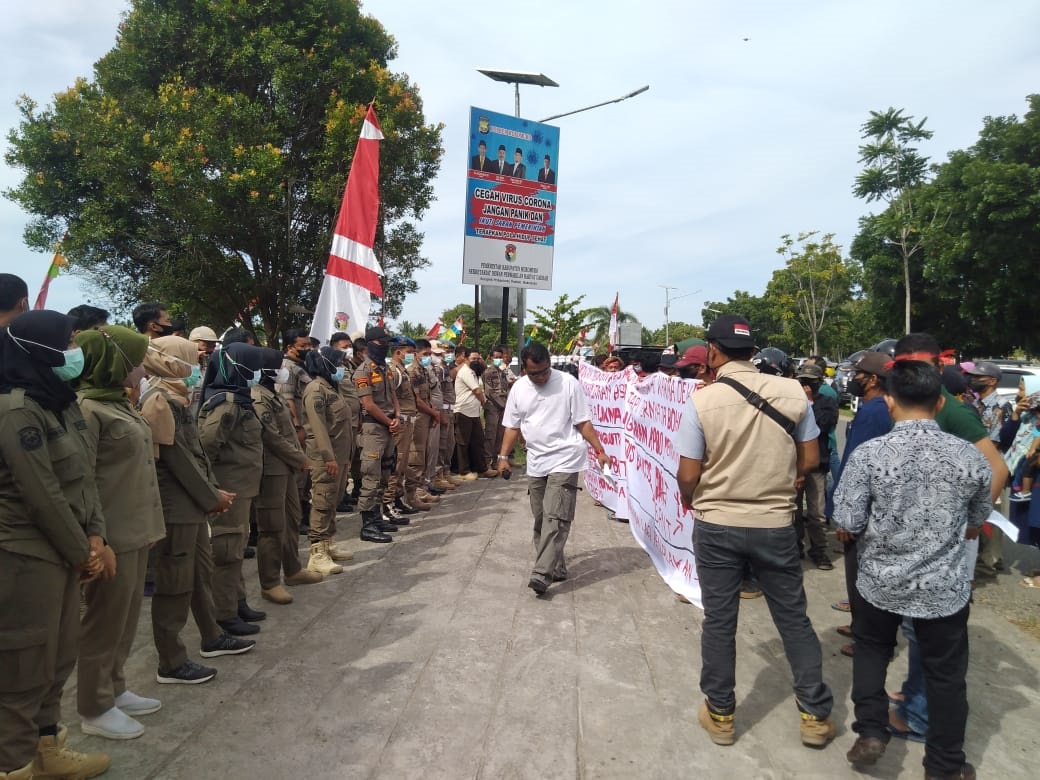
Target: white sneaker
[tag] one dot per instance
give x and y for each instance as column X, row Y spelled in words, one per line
column 132, row 704
column 1018, row 497
column 114, row 724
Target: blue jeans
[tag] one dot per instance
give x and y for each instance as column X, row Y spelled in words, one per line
column 914, row 709
column 722, row 553
column 832, row 483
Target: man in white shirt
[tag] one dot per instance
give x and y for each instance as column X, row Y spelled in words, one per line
column 549, row 408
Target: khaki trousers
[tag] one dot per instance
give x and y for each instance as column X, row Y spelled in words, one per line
column 492, row 433
column 400, row 483
column 810, row 516
column 230, row 531
column 39, row 639
column 552, row 503
column 417, row 455
column 433, row 450
column 447, row 443
column 183, row 577
column 326, row 493
column 278, row 500
column 107, row 632
column 377, row 454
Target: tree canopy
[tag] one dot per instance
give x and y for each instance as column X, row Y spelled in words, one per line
column 205, row 161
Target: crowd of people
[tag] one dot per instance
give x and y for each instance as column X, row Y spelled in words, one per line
column 139, row 462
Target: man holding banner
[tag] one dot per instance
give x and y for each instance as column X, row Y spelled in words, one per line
column 549, row 408
column 744, row 442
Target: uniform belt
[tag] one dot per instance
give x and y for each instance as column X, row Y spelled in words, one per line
column 446, row 406
column 409, row 418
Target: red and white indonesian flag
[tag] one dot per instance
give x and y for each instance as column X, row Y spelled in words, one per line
column 352, row 275
column 613, row 337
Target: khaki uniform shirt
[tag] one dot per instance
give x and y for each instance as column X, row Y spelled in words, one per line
column 120, row 443
column 231, row 436
column 496, row 386
column 48, row 502
column 433, row 376
column 293, row 389
column 326, row 419
column 372, row 380
column 282, row 451
column 448, row 386
column 401, row 381
column 348, row 393
column 420, row 380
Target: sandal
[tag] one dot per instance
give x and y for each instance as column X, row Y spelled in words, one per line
column 842, row 606
column 845, row 631
column 1030, row 582
column 847, row 650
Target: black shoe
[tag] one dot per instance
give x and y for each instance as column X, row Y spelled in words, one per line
column 249, row 614
column 249, row 552
column 559, row 578
column 239, row 627
column 345, row 507
column 434, row 491
column 390, row 513
column 305, row 530
column 225, row 644
column 866, row 751
column 823, row 563
column 386, row 528
column 373, row 534
column 537, row 585
column 188, row 673
column 404, row 508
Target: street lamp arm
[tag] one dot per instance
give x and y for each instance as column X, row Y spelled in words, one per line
column 632, row 94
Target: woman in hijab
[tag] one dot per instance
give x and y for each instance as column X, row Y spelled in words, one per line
column 326, row 421
column 231, row 436
column 189, row 492
column 278, row 510
column 120, row 443
column 51, row 538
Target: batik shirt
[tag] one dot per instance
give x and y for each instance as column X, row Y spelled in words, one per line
column 994, row 413
column 910, row 495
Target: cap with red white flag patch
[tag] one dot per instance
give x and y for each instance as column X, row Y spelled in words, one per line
column 732, row 331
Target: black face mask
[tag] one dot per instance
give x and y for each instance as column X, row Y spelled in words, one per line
column 167, row 330
column 376, row 352
column 687, row 372
column 855, row 387
column 478, row 368
column 979, row 385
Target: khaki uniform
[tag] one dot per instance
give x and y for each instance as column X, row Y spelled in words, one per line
column 355, row 457
column 376, row 445
column 48, row 508
column 420, row 379
column 326, row 418
column 401, row 481
column 447, row 446
column 496, row 389
column 433, row 442
column 231, row 436
column 120, row 443
column 184, row 558
column 278, row 509
column 292, row 394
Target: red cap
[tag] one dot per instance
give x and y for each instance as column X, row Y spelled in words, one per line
column 693, row 355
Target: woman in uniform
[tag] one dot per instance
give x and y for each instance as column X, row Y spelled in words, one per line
column 51, row 538
column 120, row 444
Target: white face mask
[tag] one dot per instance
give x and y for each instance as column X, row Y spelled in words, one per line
column 349, row 351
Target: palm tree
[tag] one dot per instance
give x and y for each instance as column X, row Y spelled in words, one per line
column 599, row 321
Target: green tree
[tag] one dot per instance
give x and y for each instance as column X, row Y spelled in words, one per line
column 599, row 321
column 813, row 281
column 677, row 331
column 564, row 321
column 205, row 162
column 413, row 330
column 766, row 328
column 894, row 173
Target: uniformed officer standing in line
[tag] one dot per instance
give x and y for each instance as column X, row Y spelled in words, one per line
column 231, row 436
column 188, row 487
column 496, row 389
column 400, row 492
column 278, row 504
column 297, row 344
column 326, row 420
column 428, row 417
column 348, row 393
column 51, row 537
column 120, row 443
column 434, row 373
column 379, row 424
column 448, row 432
column 355, row 357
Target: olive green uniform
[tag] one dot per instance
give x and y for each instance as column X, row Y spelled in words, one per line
column 433, row 442
column 376, row 445
column 402, row 483
column 420, row 379
column 292, row 394
column 355, row 457
column 120, row 443
column 48, row 508
column 231, row 436
column 448, row 431
column 326, row 418
column 496, row 389
column 278, row 510
column 184, row 558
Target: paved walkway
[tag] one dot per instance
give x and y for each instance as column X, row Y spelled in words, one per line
column 430, row 658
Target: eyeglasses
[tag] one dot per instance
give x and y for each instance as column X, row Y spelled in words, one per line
column 543, row 372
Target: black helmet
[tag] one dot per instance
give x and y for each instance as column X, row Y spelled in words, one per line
column 888, row 346
column 772, row 361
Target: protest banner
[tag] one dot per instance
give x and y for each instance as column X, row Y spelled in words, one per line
column 510, row 201
column 648, row 495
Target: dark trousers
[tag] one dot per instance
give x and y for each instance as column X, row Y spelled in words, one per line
column 722, row 553
column 469, row 444
column 944, row 654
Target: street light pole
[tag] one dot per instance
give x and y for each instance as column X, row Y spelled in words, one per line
column 667, row 301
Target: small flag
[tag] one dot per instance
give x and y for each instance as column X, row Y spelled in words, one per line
column 438, row 326
column 458, row 327
column 352, row 274
column 379, row 322
column 57, row 264
column 613, row 337
column 534, row 332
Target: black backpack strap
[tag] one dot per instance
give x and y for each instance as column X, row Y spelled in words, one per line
column 761, row 404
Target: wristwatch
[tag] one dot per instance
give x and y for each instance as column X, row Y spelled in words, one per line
column 503, row 457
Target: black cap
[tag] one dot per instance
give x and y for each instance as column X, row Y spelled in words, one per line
column 501, row 147
column 519, row 150
column 985, row 368
column 482, row 143
column 375, row 333
column 731, row 331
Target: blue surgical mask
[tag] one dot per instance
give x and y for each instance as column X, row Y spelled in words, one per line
column 338, row 374
column 409, row 358
column 194, row 377
column 73, row 365
column 497, row 361
column 254, row 380
column 425, row 361
column 449, row 358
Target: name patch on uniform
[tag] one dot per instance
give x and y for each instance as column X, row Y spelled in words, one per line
column 31, row 438
column 361, row 382
column 376, row 377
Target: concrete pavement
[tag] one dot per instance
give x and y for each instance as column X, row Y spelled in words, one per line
column 430, row 658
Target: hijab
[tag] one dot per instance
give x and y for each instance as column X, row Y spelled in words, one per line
column 1027, row 421
column 169, row 360
column 110, row 353
column 271, row 361
column 34, row 343
column 230, row 370
column 324, row 362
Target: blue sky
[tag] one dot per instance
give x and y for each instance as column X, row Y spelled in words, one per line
column 689, row 185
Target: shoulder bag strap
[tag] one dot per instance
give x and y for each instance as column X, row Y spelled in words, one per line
column 760, row 403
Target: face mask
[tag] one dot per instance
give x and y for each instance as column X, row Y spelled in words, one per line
column 338, row 374
column 497, row 362
column 377, row 352
column 194, row 378
column 409, row 358
column 855, row 387
column 637, row 367
column 425, row 361
column 73, row 365
column 449, row 359
column 166, row 330
column 349, row 352
column 254, row 380
column 979, row 385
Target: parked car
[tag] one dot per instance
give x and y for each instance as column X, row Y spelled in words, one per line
column 1012, row 371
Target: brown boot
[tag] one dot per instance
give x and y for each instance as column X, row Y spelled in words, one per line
column 444, row 484
column 320, row 560
column 338, row 553
column 25, row 773
column 719, row 727
column 427, row 498
column 417, row 503
column 277, row 595
column 55, row 760
column 816, row 732
column 304, row 577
